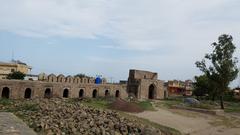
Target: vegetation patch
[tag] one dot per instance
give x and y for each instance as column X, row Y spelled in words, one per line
column 229, row 122
column 232, row 107
column 168, row 103
column 97, row 103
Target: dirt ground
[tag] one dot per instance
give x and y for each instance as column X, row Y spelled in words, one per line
column 11, row 125
column 194, row 123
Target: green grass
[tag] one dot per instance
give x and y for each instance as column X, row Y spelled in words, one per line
column 6, row 102
column 146, row 105
column 202, row 106
column 232, row 107
column 164, row 129
column 12, row 106
column 97, row 103
column 168, row 103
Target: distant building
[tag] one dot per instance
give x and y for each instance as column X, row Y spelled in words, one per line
column 177, row 87
column 236, row 92
column 9, row 67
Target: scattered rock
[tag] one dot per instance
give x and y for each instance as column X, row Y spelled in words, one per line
column 56, row 116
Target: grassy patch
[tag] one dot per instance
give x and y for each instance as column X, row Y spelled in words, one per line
column 232, row 107
column 167, row 130
column 96, row 103
column 15, row 106
column 229, row 122
column 23, row 107
column 146, row 105
column 168, row 103
column 202, row 106
column 5, row 102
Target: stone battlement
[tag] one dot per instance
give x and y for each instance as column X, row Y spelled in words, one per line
column 143, row 84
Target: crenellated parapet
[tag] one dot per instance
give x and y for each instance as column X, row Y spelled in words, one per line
column 68, row 79
column 52, row 78
column 61, row 78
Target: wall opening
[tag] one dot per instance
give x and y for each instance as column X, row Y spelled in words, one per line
column 28, row 93
column 165, row 94
column 81, row 93
column 65, row 93
column 48, row 93
column 5, row 92
column 117, row 94
column 107, row 93
column 94, row 93
column 151, row 92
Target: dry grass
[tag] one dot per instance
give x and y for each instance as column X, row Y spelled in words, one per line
column 229, row 122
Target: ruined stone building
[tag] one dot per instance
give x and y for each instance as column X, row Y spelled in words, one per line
column 140, row 84
column 145, row 85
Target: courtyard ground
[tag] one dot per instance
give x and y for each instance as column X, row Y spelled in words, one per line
column 193, row 123
column 157, row 114
column 11, row 125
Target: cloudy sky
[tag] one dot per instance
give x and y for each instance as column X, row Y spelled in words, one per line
column 109, row 37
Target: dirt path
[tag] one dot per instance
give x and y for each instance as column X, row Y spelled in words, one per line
column 11, row 125
column 189, row 122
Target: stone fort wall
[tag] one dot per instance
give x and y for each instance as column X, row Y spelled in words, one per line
column 141, row 84
column 39, row 89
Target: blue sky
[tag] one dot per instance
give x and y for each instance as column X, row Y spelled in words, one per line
column 109, row 37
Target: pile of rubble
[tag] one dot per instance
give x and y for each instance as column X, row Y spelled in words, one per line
column 56, row 116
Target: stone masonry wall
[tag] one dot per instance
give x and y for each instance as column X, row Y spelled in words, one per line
column 17, row 89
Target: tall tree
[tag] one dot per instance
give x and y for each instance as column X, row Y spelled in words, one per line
column 221, row 66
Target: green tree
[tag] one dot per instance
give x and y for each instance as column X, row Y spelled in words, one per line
column 203, row 86
column 82, row 75
column 221, row 66
column 16, row 75
column 200, row 85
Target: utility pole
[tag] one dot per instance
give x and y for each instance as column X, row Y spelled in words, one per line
column 12, row 55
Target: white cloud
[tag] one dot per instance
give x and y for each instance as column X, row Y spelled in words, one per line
column 67, row 18
column 136, row 24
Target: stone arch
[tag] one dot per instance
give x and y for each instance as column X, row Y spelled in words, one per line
column 152, row 92
column 81, row 93
column 28, row 93
column 107, row 93
column 94, row 93
column 52, row 78
column 117, row 94
column 48, row 93
column 5, row 92
column 65, row 93
column 60, row 78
